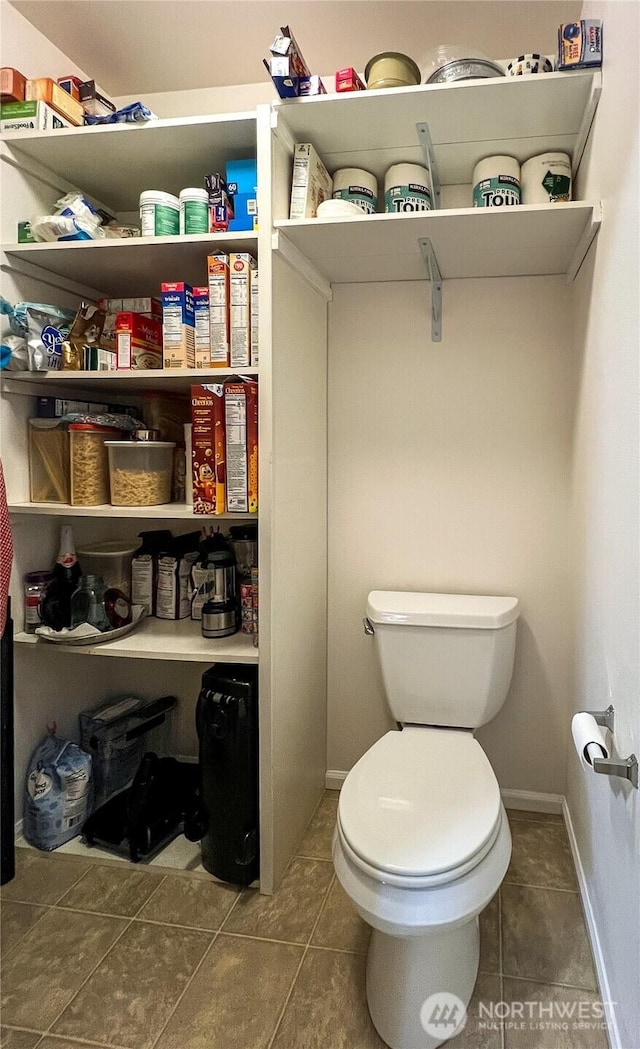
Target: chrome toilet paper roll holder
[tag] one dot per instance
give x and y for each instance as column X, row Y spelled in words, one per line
column 627, row 768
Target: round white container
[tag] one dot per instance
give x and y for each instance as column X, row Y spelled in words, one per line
column 159, row 214
column 546, row 179
column 523, row 65
column 358, row 186
column 140, row 472
column 496, row 182
column 194, row 211
column 407, row 187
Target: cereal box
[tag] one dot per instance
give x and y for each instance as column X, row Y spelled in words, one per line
column 203, row 334
column 218, row 273
column 240, row 266
column 178, row 326
column 241, row 440
column 208, row 448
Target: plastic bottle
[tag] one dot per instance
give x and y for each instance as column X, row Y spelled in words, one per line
column 55, row 608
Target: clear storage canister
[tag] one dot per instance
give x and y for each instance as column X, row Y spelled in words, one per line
column 89, row 463
column 48, row 461
column 140, row 472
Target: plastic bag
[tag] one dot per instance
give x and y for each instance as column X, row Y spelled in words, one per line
column 58, row 790
column 47, row 327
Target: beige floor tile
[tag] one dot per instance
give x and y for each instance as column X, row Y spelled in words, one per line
column 235, row 998
column 479, row 1032
column 319, row 834
column 340, row 926
column 537, row 817
column 51, row 961
column 42, row 877
column 291, row 912
column 15, row 919
column 544, row 937
column 129, row 998
column 186, row 901
column 65, row 1043
column 541, row 856
column 12, row 1039
column 328, row 1009
column 111, row 890
column 554, row 1018
column 490, row 937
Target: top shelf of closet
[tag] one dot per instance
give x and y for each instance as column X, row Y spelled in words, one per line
column 468, row 120
column 116, row 162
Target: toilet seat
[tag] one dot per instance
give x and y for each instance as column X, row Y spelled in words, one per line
column 420, row 808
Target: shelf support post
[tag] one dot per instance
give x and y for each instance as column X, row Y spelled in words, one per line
column 433, row 270
column 424, row 138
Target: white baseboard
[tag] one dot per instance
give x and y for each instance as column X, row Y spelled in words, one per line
column 592, row 930
column 532, row 801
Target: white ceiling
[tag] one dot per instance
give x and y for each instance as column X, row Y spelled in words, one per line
column 144, row 46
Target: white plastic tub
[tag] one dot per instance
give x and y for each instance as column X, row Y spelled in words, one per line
column 111, row 560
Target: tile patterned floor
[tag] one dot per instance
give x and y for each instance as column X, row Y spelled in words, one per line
column 130, row 958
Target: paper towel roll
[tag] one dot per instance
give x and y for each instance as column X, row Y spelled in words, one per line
column 589, row 739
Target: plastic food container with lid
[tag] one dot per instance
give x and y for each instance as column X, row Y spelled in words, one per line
column 111, row 560
column 48, row 461
column 89, row 463
column 140, row 472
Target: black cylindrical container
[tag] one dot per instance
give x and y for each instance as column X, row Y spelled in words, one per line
column 227, row 723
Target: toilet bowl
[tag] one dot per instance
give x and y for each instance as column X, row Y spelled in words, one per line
column 421, row 846
column 422, row 840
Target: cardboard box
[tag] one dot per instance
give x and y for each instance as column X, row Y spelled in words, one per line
column 255, row 330
column 311, row 182
column 71, row 84
column 178, row 326
column 580, row 44
column 243, row 174
column 25, row 235
column 220, row 203
column 286, row 84
column 138, row 342
column 44, row 89
column 203, row 334
column 218, row 279
column 12, row 85
column 240, row 266
column 208, row 448
column 311, row 85
column 147, row 306
column 30, row 116
column 93, row 103
column 348, row 80
column 241, row 441
column 245, row 212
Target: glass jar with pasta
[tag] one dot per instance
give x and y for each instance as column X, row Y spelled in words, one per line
column 89, row 463
column 140, row 472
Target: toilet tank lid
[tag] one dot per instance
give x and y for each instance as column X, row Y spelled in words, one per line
column 403, row 608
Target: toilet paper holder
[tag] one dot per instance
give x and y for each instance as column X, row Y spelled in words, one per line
column 627, row 768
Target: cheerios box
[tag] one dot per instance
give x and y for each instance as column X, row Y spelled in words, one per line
column 208, row 472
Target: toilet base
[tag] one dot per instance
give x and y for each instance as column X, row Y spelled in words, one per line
column 403, row 972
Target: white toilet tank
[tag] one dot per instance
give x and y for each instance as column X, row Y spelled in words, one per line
column 446, row 659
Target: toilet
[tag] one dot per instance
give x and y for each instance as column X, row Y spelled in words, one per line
column 422, row 840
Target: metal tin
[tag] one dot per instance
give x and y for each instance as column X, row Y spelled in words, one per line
column 465, row 69
column 391, row 69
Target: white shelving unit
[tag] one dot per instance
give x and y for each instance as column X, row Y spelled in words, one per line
column 163, row 639
column 299, row 261
column 165, row 512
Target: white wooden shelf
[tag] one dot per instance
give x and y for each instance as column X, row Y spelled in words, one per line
column 167, row 511
column 109, row 163
column 468, row 242
column 54, row 383
column 163, row 639
column 468, row 120
column 113, row 266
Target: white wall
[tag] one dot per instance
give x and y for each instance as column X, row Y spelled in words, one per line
column 449, row 470
column 605, row 813
column 26, row 49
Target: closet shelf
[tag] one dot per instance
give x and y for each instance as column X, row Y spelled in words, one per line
column 113, row 267
column 468, row 120
column 163, row 639
column 116, row 162
column 166, row 511
column 526, row 240
column 115, row 383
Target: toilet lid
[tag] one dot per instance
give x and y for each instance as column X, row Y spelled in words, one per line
column 420, row 802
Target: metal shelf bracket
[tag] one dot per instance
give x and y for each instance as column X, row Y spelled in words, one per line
column 433, row 271
column 424, row 138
